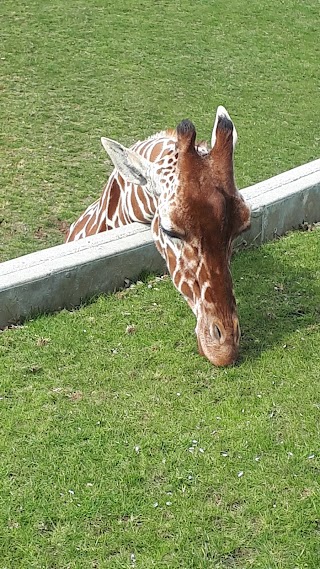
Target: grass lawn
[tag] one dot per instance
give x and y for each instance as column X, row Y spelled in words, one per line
column 122, row 448
column 73, row 71
column 119, row 446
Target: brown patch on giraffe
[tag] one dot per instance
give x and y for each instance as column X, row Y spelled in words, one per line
column 190, row 255
column 79, row 226
column 142, row 147
column 120, row 218
column 136, row 207
column 202, row 275
column 177, row 278
column 149, row 205
column 158, row 151
column 91, row 227
column 186, row 290
column 157, row 236
column 196, row 289
column 156, row 225
column 171, row 259
column 121, row 181
column 114, row 193
column 208, row 296
column 102, row 225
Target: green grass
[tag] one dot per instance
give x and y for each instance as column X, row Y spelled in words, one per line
column 73, row 71
column 98, row 428
column 97, row 425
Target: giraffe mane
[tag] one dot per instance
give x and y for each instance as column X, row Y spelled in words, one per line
column 171, row 133
column 168, row 133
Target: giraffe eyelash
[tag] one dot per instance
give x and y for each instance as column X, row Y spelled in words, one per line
column 170, row 233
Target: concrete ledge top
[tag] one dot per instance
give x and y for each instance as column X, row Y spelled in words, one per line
column 68, row 252
column 77, row 253
column 280, row 186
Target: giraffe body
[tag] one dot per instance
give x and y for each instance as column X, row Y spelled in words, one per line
column 122, row 202
column 188, row 195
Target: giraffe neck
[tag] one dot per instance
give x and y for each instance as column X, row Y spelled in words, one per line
column 122, row 202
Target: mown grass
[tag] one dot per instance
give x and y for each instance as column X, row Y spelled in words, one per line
column 73, row 71
column 122, row 447
column 127, row 449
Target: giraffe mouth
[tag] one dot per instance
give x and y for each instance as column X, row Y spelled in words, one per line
column 220, row 353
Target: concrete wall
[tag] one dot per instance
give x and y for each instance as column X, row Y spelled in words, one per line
column 66, row 275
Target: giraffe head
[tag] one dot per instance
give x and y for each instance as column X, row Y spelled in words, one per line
column 197, row 218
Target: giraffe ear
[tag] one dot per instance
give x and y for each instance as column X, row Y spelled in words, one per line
column 222, row 124
column 132, row 167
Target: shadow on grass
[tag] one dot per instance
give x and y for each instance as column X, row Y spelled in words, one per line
column 275, row 297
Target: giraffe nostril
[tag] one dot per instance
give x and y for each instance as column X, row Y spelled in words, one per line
column 217, row 332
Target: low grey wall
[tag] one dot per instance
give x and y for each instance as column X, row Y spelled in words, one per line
column 68, row 274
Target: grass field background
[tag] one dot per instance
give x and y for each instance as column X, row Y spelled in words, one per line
column 119, row 446
column 74, row 71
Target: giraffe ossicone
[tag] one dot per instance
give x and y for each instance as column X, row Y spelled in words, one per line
column 187, row 193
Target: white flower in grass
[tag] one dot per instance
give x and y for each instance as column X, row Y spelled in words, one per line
column 137, row 449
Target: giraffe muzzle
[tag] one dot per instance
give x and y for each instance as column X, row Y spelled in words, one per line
column 217, row 344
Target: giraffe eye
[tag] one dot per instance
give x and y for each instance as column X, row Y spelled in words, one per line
column 171, row 233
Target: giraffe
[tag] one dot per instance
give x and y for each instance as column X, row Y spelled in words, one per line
column 186, row 191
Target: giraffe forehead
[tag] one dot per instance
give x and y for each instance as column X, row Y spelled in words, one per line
column 199, row 215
